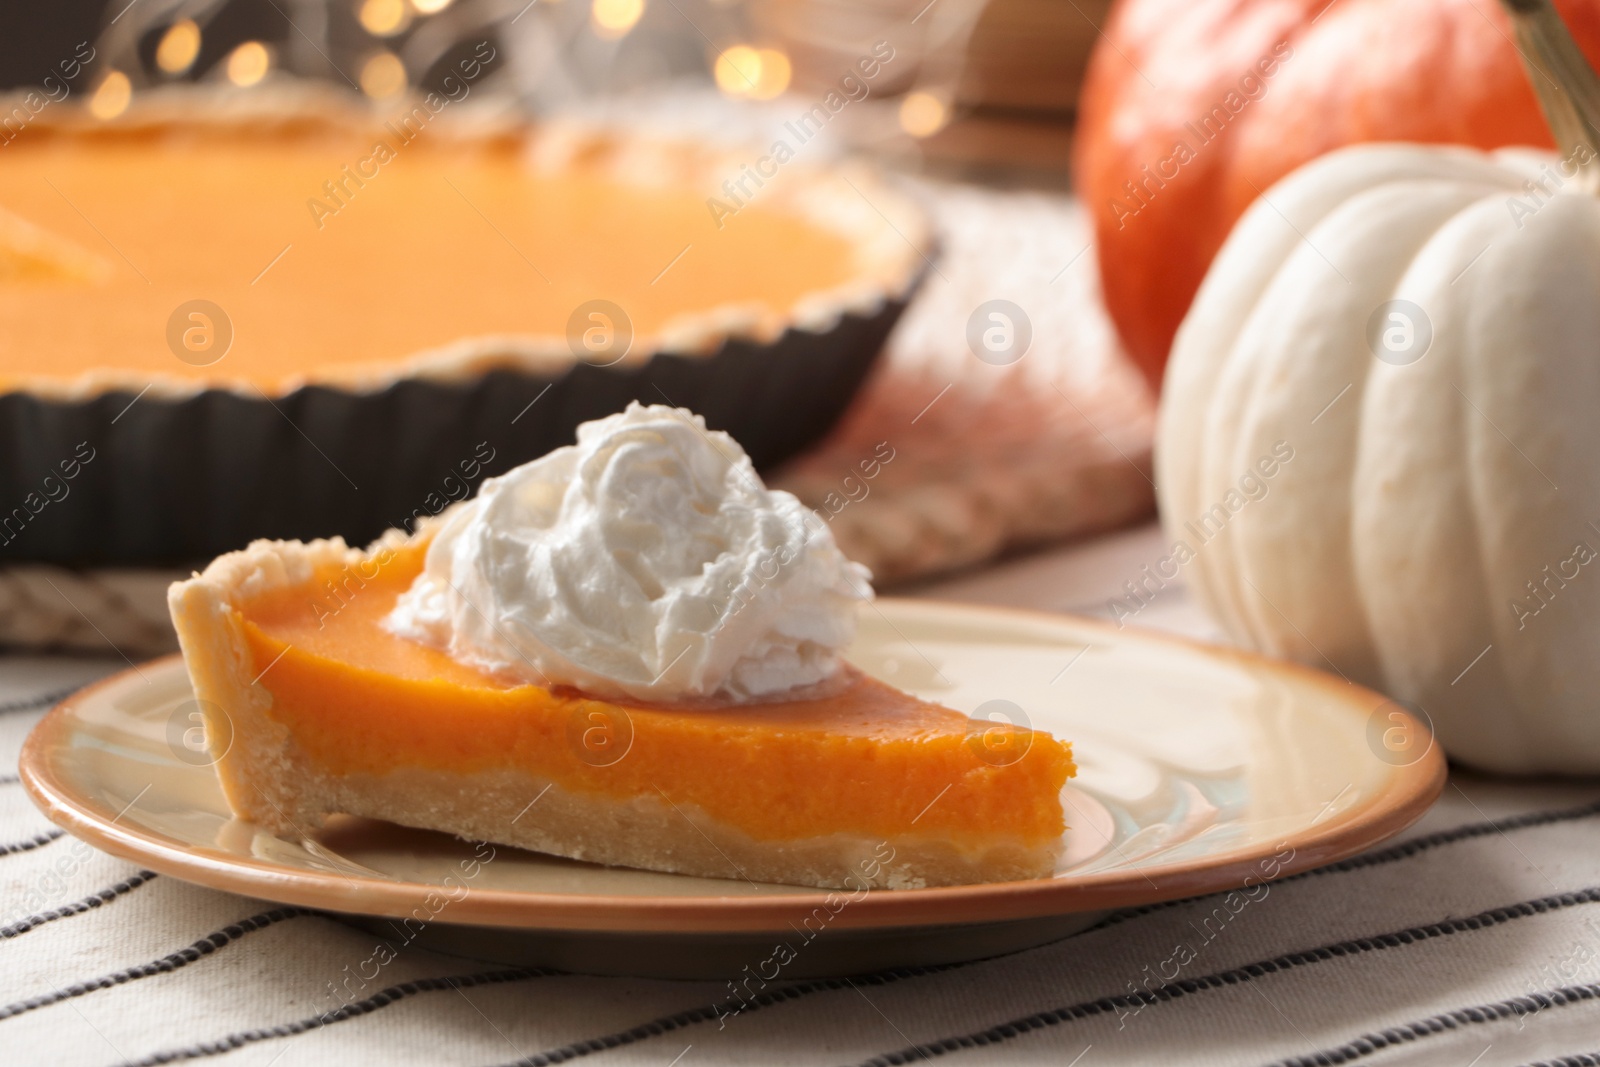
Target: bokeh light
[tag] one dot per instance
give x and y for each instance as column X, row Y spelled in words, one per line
column 383, row 76
column 922, row 114
column 757, row 73
column 430, row 7
column 111, row 97
column 384, row 18
column 248, row 64
column 179, row 46
column 614, row 18
column 775, row 72
column 738, row 70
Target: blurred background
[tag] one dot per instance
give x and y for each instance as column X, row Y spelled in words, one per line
column 981, row 87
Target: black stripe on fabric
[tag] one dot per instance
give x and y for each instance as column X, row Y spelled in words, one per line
column 725, row 1008
column 1141, row 999
column 692, row 1016
column 380, row 999
column 9, row 779
column 1455, row 1019
column 1576, row 1059
column 1405, row 850
column 42, row 700
column 77, row 907
column 171, row 962
column 36, row 841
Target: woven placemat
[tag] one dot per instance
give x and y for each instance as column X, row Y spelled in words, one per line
column 48, row 607
column 945, row 459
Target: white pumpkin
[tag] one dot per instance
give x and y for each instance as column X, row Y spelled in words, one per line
column 1435, row 529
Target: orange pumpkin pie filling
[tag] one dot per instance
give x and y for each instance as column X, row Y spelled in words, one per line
column 342, row 250
column 321, row 710
column 314, row 290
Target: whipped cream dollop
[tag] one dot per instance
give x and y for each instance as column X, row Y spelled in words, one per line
column 646, row 561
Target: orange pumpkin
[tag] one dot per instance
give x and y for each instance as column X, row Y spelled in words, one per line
column 1192, row 108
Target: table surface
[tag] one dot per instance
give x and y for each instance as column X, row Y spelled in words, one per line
column 1470, row 940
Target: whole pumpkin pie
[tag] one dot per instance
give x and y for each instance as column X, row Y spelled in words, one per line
column 627, row 652
column 285, row 292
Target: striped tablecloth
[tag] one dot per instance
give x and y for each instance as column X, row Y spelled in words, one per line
column 1471, row 940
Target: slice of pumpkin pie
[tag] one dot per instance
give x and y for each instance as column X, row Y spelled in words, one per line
column 627, row 652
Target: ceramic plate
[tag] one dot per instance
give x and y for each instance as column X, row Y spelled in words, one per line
column 1201, row 770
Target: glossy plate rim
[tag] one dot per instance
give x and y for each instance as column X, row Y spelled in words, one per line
column 1408, row 793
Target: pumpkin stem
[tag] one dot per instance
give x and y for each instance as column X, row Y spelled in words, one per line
column 1567, row 86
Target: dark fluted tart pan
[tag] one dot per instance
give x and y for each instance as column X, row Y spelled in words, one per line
column 179, row 480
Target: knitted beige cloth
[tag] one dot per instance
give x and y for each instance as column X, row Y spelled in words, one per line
column 988, row 456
